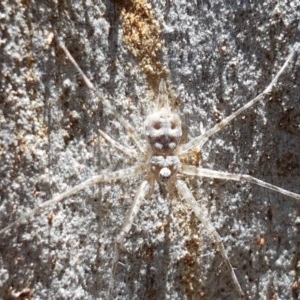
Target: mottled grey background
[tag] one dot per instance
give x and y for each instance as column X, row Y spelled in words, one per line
column 220, row 55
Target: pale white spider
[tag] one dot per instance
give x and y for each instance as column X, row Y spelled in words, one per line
column 162, row 162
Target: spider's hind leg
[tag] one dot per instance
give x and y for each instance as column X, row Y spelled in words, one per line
column 128, row 151
column 110, row 109
column 199, row 141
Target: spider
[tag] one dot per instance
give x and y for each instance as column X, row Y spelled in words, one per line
column 162, row 162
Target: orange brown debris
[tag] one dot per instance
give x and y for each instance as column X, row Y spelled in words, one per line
column 142, row 35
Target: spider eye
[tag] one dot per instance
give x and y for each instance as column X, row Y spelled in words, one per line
column 165, row 173
column 173, row 125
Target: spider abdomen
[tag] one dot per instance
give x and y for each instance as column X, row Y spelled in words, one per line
column 163, row 131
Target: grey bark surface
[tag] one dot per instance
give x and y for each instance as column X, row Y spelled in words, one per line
column 220, row 54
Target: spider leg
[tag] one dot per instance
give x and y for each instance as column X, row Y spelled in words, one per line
column 185, row 193
column 194, row 171
column 128, row 151
column 129, row 128
column 104, row 177
column 199, row 141
column 143, row 191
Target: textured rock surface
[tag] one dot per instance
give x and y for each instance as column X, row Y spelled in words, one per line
column 219, row 56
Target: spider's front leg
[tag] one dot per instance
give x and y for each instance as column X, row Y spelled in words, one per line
column 187, row 195
column 101, row 178
column 203, row 172
column 143, row 191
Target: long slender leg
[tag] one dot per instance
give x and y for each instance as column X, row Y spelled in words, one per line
column 143, row 191
column 120, row 174
column 129, row 152
column 129, row 129
column 199, row 141
column 202, row 172
column 185, row 193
